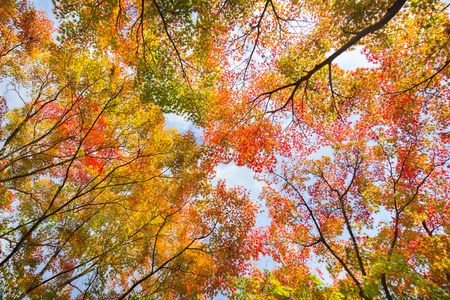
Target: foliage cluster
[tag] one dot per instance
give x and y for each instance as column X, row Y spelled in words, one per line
column 99, row 200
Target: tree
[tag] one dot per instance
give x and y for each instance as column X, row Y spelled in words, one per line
column 98, row 199
column 355, row 162
column 166, row 44
column 22, row 29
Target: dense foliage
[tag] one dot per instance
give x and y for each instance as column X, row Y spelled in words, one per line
column 99, row 200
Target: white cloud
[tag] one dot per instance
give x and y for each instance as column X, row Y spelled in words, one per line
column 351, row 60
column 244, row 177
column 177, row 122
column 182, row 125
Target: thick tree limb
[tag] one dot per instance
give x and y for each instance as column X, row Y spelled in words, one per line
column 391, row 12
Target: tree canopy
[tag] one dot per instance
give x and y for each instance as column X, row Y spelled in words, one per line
column 100, row 200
